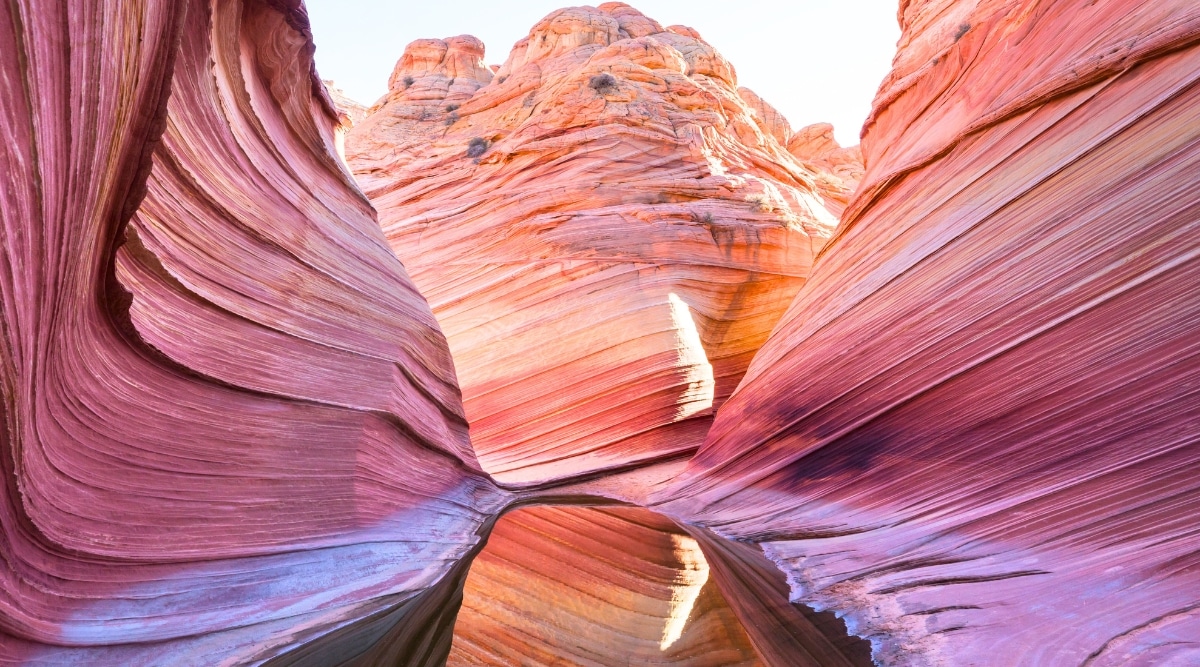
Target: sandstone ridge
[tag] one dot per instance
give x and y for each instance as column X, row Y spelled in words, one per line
column 610, row 199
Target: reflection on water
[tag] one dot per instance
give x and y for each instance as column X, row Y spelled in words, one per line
column 594, row 586
column 598, row 586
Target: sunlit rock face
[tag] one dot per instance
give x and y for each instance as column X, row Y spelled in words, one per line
column 836, row 170
column 231, row 422
column 606, row 229
column 975, row 430
column 839, row 169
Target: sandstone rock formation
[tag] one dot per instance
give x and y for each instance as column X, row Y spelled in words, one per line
column 839, row 169
column 233, row 428
column 606, row 230
column 836, row 170
column 610, row 585
column 354, row 111
column 975, row 431
column 231, row 422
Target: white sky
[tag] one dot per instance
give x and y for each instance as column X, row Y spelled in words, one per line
column 814, row 60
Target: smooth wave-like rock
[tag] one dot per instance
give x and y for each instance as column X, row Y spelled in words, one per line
column 605, row 227
column 965, row 421
column 231, row 422
column 974, row 433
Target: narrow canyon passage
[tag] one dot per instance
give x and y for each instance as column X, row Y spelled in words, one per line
column 289, row 381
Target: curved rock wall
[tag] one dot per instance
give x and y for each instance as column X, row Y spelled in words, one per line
column 605, row 228
column 230, row 420
column 974, row 432
column 233, row 431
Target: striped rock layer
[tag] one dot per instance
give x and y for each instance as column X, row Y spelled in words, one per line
column 975, row 432
column 233, row 431
column 606, row 229
column 230, row 421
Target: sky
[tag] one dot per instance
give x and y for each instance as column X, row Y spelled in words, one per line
column 813, row 60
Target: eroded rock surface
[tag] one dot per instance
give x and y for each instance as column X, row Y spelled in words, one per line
column 974, row 433
column 233, row 431
column 231, row 422
column 605, row 228
column 839, row 169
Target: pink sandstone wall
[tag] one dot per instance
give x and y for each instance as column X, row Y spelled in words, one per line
column 975, row 431
column 230, row 419
column 965, row 417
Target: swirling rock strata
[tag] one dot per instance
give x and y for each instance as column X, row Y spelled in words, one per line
column 232, row 432
column 231, row 422
column 974, row 432
column 605, row 228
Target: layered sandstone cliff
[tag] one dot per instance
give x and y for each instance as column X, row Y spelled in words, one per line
column 606, row 228
column 231, row 422
column 352, row 112
column 975, row 431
